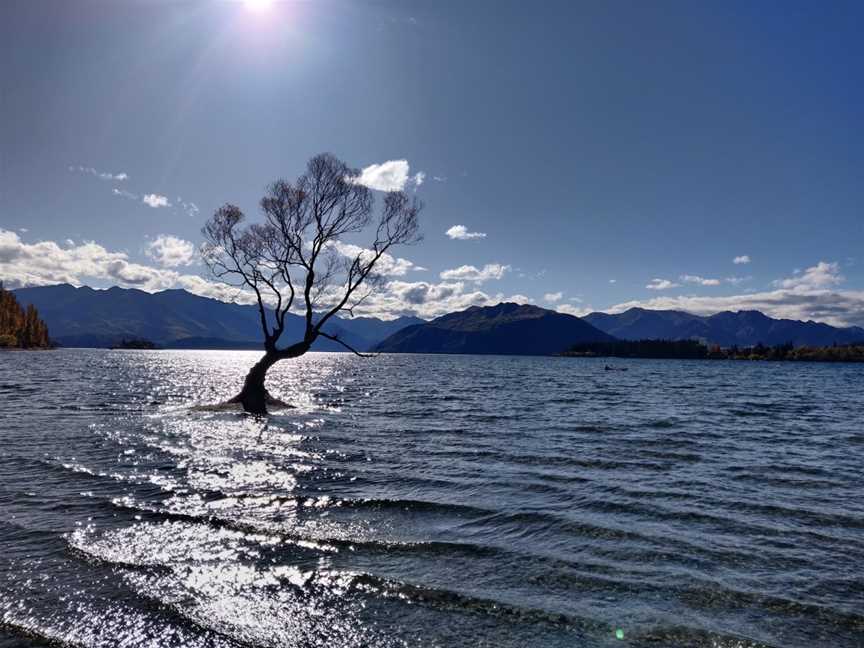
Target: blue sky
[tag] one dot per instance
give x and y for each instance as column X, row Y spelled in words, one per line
column 611, row 153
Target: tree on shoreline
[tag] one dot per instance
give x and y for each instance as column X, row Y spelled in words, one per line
column 297, row 258
column 20, row 327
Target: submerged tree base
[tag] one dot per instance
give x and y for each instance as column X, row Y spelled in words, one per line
column 237, row 404
column 269, row 400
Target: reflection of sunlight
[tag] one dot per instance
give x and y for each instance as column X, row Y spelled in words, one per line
column 230, row 522
column 258, row 5
column 252, row 587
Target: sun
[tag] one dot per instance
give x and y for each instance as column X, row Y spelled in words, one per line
column 258, row 5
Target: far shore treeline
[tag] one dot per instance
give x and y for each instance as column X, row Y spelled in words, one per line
column 696, row 350
column 20, row 328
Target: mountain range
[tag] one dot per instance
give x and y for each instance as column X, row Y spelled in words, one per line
column 178, row 319
column 742, row 328
column 503, row 329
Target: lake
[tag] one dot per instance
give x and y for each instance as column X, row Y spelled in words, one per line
column 417, row 500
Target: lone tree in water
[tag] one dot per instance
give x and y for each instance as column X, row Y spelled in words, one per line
column 296, row 258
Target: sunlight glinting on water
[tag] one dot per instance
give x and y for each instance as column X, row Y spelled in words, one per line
column 391, row 509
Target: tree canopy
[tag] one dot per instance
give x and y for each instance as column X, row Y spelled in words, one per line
column 298, row 256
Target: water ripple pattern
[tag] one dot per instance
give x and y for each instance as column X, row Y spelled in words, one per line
column 430, row 501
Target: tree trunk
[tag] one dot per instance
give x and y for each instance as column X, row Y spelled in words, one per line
column 254, row 396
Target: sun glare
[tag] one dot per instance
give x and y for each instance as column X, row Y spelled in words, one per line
column 258, row 5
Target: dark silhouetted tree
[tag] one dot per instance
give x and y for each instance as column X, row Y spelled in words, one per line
column 296, row 258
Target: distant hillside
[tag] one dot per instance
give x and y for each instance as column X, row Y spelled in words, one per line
column 744, row 328
column 178, row 319
column 505, row 329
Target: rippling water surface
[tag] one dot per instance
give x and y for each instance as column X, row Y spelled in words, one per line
column 430, row 501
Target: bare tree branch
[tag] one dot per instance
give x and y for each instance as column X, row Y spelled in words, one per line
column 335, row 338
column 294, row 254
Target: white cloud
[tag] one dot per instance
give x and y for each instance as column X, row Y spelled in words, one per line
column 553, row 297
column 124, row 194
column 570, row 309
column 205, row 288
column 170, row 251
column 188, row 206
column 661, row 284
column 735, row 281
column 387, row 265
column 822, row 275
column 428, row 300
column 422, row 292
column 156, row 201
column 439, row 178
column 478, row 275
column 810, row 296
column 46, row 263
column 102, row 175
column 702, row 281
column 393, row 175
column 461, row 233
column 738, row 260
column 836, row 307
column 612, row 281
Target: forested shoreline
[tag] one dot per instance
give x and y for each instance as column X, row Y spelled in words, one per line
column 696, row 350
column 20, row 328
